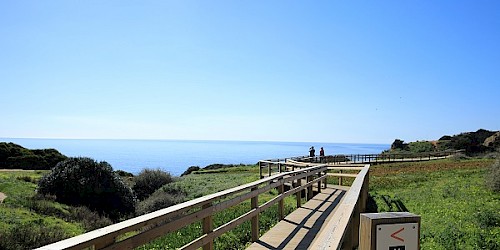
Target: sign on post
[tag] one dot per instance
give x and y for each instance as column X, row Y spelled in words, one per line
column 402, row 236
column 389, row 231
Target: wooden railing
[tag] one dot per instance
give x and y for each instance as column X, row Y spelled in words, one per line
column 269, row 167
column 147, row 227
column 341, row 232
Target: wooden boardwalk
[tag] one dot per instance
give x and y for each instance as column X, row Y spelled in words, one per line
column 298, row 229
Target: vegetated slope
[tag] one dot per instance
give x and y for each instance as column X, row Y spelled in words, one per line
column 13, row 156
column 481, row 141
column 456, row 208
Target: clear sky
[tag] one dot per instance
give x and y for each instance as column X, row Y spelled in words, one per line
column 312, row 71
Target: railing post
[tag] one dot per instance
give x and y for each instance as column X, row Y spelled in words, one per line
column 270, row 165
column 340, row 178
column 298, row 195
column 326, row 178
column 281, row 203
column 260, row 170
column 208, row 226
column 309, row 188
column 279, row 167
column 319, row 182
column 255, row 219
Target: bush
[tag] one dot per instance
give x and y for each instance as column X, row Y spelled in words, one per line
column 85, row 182
column 124, row 173
column 162, row 198
column 421, row 147
column 90, row 220
column 459, row 157
column 31, row 235
column 493, row 177
column 149, row 180
column 190, row 170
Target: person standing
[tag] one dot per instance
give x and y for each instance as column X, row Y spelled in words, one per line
column 311, row 153
column 322, row 155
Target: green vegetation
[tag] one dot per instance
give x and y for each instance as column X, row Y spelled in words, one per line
column 26, row 222
column 493, row 177
column 150, row 180
column 457, row 210
column 458, row 199
column 85, row 182
column 479, row 142
column 13, row 156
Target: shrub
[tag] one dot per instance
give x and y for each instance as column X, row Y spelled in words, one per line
column 162, row 198
column 31, row 235
column 85, row 182
column 190, row 170
column 149, row 180
column 459, row 157
column 493, row 177
column 421, row 147
column 124, row 173
column 90, row 220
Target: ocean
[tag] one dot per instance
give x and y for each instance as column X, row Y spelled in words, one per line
column 175, row 156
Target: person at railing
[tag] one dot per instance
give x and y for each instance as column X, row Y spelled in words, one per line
column 311, row 153
column 322, row 155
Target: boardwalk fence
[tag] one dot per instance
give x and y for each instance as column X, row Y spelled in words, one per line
column 273, row 166
column 147, row 227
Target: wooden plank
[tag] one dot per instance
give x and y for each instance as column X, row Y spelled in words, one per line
column 342, row 175
column 346, row 168
column 301, row 226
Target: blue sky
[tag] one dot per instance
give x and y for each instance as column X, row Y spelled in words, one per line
column 312, row 71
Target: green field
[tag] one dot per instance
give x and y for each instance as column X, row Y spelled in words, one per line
column 457, row 210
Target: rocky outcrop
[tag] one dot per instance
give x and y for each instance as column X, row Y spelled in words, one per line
column 492, row 141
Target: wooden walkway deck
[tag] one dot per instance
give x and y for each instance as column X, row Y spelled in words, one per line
column 298, row 229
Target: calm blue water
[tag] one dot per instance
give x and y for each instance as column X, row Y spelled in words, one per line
column 176, row 156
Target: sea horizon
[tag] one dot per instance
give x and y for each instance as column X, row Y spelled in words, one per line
column 175, row 156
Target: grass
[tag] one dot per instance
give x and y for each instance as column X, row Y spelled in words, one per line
column 21, row 226
column 457, row 210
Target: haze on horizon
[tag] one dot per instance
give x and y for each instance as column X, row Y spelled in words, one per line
column 328, row 71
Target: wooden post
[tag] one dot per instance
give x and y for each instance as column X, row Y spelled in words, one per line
column 260, row 170
column 309, row 188
column 279, row 167
column 255, row 219
column 270, row 165
column 340, row 179
column 281, row 203
column 319, row 183
column 208, row 226
column 299, row 201
column 326, row 179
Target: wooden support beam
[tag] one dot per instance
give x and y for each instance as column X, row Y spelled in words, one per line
column 298, row 195
column 208, row 227
column 255, row 219
column 281, row 203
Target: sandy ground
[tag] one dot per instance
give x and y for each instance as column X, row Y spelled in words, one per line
column 2, row 197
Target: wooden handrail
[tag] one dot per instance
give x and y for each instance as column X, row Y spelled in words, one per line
column 340, row 231
column 178, row 216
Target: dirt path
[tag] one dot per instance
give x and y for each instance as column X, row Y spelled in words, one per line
column 2, row 197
